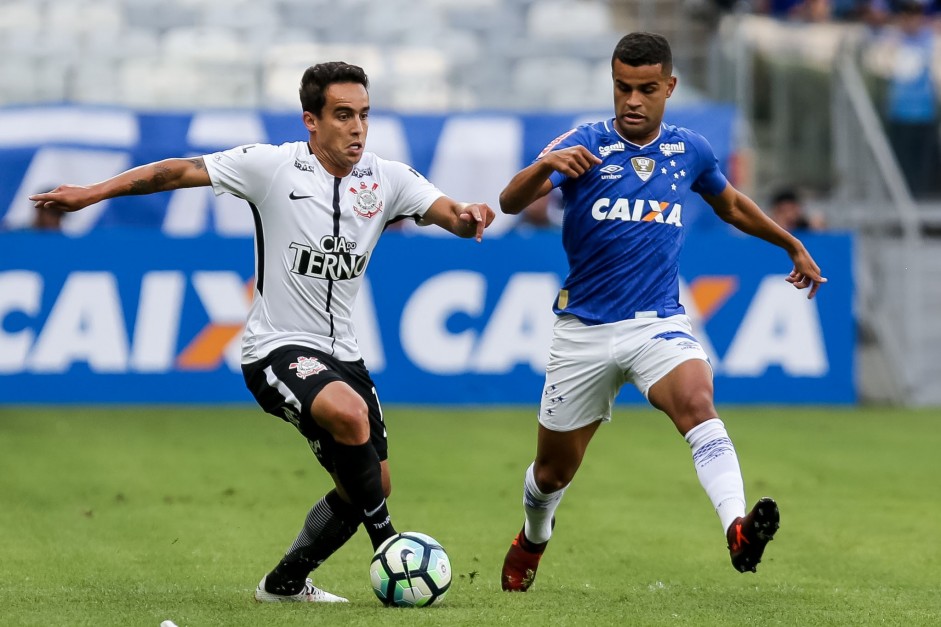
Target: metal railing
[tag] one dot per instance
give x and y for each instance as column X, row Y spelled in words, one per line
column 766, row 67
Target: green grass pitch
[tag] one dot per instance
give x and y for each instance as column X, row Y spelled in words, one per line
column 132, row 516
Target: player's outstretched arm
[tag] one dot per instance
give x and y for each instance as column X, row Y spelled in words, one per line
column 461, row 218
column 741, row 212
column 532, row 182
column 159, row 176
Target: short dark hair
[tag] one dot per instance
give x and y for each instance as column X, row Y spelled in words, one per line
column 318, row 77
column 783, row 195
column 636, row 49
column 912, row 7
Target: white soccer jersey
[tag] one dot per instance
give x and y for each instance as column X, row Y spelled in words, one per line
column 314, row 235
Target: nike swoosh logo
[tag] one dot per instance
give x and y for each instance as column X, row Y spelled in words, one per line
column 294, row 196
column 373, row 512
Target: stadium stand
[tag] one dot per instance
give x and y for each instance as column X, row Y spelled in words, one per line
column 421, row 55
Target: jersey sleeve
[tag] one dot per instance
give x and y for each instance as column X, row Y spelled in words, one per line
column 244, row 171
column 565, row 140
column 408, row 193
column 710, row 180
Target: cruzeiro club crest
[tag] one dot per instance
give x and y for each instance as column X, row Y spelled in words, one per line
column 307, row 366
column 643, row 167
column 367, row 203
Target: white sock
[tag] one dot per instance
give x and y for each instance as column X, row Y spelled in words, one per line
column 539, row 508
column 718, row 470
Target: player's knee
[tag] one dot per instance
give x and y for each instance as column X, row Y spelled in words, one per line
column 693, row 408
column 701, row 405
column 550, row 479
column 348, row 422
column 353, row 425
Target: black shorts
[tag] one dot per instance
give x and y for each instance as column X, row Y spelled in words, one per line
column 285, row 383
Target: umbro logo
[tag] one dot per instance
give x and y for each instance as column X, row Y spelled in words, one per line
column 611, row 171
column 294, row 196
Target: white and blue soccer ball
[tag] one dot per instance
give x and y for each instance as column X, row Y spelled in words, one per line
column 410, row 569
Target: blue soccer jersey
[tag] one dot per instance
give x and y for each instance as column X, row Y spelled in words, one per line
column 622, row 225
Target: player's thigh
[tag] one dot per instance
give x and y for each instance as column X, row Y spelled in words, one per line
column 342, row 411
column 356, row 375
column 582, row 379
column 662, row 346
column 287, row 382
column 685, row 394
column 356, row 380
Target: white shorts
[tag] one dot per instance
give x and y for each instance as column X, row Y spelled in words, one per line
column 588, row 364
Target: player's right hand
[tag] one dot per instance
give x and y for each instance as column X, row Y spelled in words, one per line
column 478, row 214
column 64, row 198
column 572, row 161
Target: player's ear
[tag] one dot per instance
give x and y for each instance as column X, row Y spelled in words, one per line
column 310, row 121
column 671, row 85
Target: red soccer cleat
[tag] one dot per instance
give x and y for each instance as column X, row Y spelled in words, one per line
column 748, row 536
column 520, row 564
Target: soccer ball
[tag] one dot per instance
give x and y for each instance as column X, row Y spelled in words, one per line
column 410, row 569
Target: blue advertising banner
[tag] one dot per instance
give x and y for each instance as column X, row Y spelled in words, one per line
column 469, row 156
column 130, row 315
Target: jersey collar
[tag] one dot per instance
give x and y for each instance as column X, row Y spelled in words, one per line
column 611, row 128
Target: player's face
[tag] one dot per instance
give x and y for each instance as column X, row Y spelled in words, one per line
column 338, row 135
column 640, row 96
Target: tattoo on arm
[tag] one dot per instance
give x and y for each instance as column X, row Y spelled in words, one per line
column 140, row 186
column 155, row 183
column 198, row 163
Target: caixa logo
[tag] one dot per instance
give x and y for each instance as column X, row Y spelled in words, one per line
column 779, row 328
column 155, row 328
column 639, row 210
column 87, row 322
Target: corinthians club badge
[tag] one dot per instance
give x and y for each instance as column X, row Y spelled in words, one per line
column 307, row 366
column 367, row 203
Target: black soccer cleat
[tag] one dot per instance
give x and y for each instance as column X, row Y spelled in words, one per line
column 748, row 536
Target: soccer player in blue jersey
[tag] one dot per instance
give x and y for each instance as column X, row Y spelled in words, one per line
column 624, row 183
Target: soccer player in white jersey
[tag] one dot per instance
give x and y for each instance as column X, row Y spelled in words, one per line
column 319, row 206
column 624, row 182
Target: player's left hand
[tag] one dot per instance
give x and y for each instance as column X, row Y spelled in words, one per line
column 805, row 273
column 479, row 213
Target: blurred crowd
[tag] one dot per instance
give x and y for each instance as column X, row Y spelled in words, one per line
column 874, row 12
column 902, row 52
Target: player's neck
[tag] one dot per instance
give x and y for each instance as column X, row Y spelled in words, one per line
column 332, row 166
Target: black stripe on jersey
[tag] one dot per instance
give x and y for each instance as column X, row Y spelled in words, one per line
column 336, row 233
column 336, row 206
column 259, row 250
